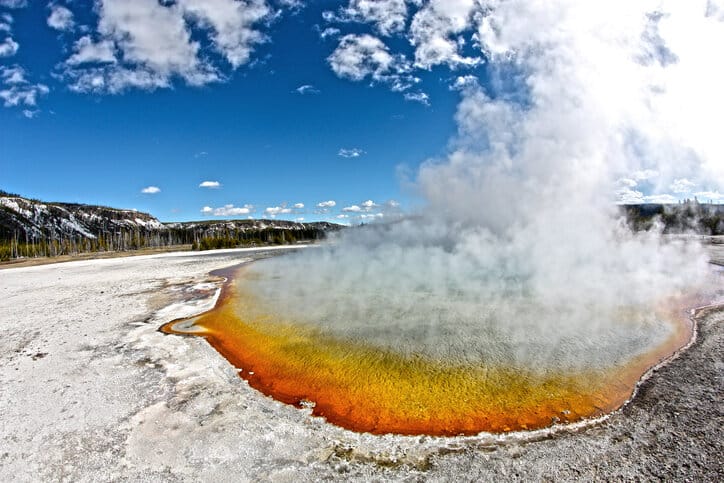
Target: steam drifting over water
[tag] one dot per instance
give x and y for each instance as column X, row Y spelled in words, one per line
column 517, row 298
column 520, row 256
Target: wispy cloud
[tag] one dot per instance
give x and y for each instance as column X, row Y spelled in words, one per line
column 13, row 3
column 210, row 184
column 151, row 190
column 16, row 90
column 350, row 153
column 306, row 89
column 420, row 97
column 299, row 206
column 682, row 185
column 709, row 195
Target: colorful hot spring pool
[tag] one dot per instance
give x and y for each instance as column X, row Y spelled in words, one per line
column 426, row 376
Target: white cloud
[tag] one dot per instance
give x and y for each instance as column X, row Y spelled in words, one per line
column 645, row 175
column 151, row 190
column 299, row 220
column 327, row 204
column 273, row 211
column 661, row 199
column 389, row 16
column 464, row 82
column 86, row 51
column 433, row 33
column 148, row 44
column 627, row 182
column 8, row 47
column 364, row 207
column 13, row 3
column 329, row 32
column 350, row 153
column 60, row 18
column 704, row 196
column 299, row 206
column 358, row 57
column 16, row 90
column 682, row 185
column 210, row 184
column 6, row 21
column 228, row 210
column 13, row 75
column 232, row 25
column 306, row 89
column 342, row 217
column 420, row 97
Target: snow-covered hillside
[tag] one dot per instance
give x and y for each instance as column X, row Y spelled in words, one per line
column 21, row 216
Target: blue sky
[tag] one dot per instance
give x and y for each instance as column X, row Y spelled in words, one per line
column 267, row 144
column 284, row 102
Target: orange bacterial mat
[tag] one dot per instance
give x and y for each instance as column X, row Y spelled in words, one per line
column 367, row 389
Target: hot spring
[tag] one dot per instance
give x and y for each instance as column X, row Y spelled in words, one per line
column 435, row 340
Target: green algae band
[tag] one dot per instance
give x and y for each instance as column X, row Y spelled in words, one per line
column 368, row 388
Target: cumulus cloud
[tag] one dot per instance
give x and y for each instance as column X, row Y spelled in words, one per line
column 434, row 29
column 709, row 195
column 299, row 206
column 273, row 211
column 13, row 3
column 358, row 57
column 350, row 153
column 682, row 185
column 16, row 90
column 388, row 16
column 324, row 206
column 228, row 210
column 151, row 190
column 8, row 47
column 148, row 44
column 60, row 18
column 352, row 209
column 85, row 51
column 209, row 184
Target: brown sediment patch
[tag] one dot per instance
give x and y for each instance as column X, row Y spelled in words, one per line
column 368, row 389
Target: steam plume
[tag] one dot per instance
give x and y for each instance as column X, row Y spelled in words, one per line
column 521, row 257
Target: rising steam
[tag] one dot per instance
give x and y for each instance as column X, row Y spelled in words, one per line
column 520, row 256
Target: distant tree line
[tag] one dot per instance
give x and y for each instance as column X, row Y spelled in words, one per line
column 689, row 216
column 20, row 244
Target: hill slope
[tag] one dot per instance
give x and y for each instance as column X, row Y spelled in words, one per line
column 35, row 228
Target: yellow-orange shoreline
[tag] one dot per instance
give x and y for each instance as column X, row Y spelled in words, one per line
column 366, row 389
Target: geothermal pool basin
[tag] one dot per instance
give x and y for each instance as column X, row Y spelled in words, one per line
column 367, row 388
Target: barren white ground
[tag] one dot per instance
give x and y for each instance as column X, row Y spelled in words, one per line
column 91, row 391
